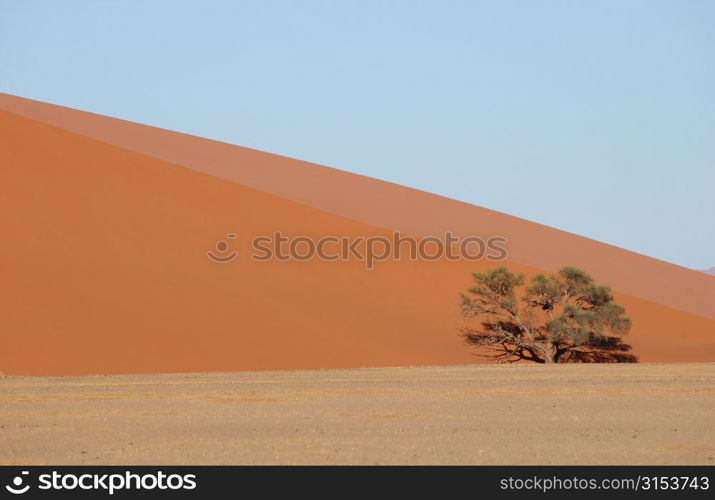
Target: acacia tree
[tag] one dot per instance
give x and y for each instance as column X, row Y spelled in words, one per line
column 563, row 318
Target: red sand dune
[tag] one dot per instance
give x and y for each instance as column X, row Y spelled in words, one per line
column 389, row 206
column 104, row 267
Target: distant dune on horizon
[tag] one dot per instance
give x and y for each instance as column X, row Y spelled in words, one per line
column 709, row 271
column 107, row 224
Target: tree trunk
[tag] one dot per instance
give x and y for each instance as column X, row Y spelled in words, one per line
column 550, row 354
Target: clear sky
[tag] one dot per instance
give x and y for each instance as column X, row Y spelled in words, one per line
column 594, row 117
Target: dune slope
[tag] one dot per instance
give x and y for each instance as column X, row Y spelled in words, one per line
column 105, row 271
column 390, row 206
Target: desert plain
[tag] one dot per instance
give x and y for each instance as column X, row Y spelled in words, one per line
column 471, row 414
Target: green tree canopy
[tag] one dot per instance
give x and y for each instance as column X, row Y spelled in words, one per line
column 563, row 318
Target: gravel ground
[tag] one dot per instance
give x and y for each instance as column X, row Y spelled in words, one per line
column 476, row 414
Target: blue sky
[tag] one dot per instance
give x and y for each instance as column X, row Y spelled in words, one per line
column 594, row 117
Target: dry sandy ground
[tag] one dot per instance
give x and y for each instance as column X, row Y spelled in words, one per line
column 477, row 414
